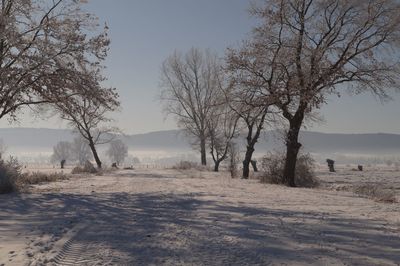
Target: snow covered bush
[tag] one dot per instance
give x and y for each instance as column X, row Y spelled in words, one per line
column 185, row 165
column 87, row 168
column 10, row 172
column 188, row 165
column 273, row 165
column 375, row 192
column 40, row 177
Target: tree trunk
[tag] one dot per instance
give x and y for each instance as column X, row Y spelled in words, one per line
column 292, row 150
column 203, row 151
column 254, row 164
column 247, row 161
column 251, row 142
column 216, row 166
column 95, row 155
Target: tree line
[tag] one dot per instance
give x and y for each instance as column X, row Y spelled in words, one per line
column 79, row 151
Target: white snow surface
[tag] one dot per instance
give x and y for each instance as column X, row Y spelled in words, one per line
column 171, row 217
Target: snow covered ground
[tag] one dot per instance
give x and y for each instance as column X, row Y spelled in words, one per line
column 171, row 217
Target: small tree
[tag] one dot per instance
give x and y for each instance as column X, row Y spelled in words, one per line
column 62, row 152
column 241, row 98
column 222, row 128
column 190, row 86
column 117, row 151
column 88, row 116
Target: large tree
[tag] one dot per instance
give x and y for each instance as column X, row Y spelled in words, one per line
column 315, row 48
column 190, row 85
column 40, row 44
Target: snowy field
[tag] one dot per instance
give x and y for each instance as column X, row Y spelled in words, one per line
column 170, row 217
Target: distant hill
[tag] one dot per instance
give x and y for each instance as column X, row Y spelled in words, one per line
column 169, row 140
column 45, row 139
column 379, row 142
column 34, row 137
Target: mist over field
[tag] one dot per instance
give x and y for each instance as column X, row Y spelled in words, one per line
column 35, row 145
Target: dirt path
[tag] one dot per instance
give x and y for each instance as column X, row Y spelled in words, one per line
column 165, row 217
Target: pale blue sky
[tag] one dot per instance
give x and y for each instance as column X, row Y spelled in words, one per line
column 145, row 32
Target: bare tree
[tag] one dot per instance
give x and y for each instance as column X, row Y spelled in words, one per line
column 117, row 151
column 254, row 120
column 308, row 49
column 88, row 120
column 222, row 126
column 242, row 101
column 88, row 116
column 62, row 152
column 40, row 44
column 189, row 87
column 80, row 150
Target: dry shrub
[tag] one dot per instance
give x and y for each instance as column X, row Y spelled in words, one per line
column 12, row 179
column 10, row 172
column 88, row 167
column 77, row 170
column 376, row 193
column 273, row 167
column 40, row 177
column 184, row 165
column 187, row 165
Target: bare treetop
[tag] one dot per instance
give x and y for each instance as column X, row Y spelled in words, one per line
column 319, row 44
column 190, row 87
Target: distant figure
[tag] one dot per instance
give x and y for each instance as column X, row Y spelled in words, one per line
column 114, row 165
column 360, row 167
column 331, row 164
column 62, row 164
column 254, row 165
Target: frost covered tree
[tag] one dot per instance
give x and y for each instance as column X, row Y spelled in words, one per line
column 41, row 42
column 190, row 85
column 243, row 100
column 80, row 150
column 253, row 117
column 62, row 152
column 304, row 50
column 222, row 129
column 89, row 116
column 117, row 151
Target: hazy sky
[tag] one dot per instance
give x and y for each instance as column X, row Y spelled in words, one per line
column 145, row 32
